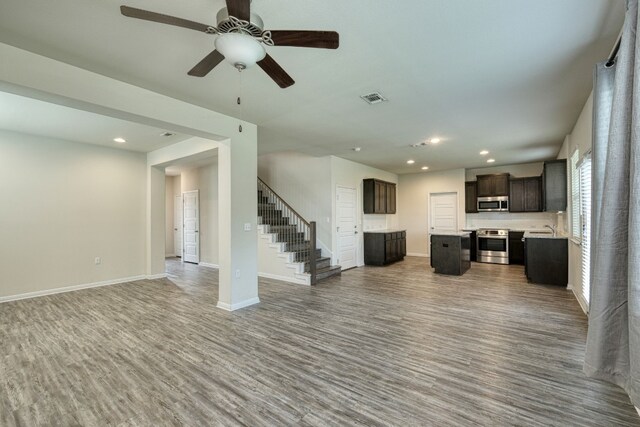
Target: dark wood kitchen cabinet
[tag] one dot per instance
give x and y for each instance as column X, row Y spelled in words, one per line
column 546, row 261
column 525, row 194
column 384, row 247
column 493, row 185
column 516, row 247
column 554, row 185
column 378, row 197
column 471, row 197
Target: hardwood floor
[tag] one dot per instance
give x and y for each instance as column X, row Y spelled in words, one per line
column 394, row 345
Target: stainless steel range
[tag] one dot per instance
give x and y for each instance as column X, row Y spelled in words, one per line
column 493, row 246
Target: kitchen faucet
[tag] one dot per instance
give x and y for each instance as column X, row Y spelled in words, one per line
column 552, row 228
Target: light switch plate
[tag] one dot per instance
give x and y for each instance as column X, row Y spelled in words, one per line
column 247, row 226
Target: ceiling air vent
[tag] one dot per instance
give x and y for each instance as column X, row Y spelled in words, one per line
column 373, row 98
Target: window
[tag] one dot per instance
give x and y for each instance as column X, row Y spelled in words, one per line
column 585, row 224
column 575, row 198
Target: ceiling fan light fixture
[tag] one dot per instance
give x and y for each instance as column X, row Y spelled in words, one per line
column 241, row 50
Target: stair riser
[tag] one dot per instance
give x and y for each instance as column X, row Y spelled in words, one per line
column 290, row 237
column 330, row 273
column 320, row 264
column 303, row 256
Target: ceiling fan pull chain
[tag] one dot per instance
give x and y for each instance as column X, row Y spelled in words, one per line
column 239, row 100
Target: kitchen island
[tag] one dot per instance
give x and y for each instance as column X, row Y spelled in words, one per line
column 451, row 252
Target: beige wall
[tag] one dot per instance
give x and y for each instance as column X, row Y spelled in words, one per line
column 518, row 171
column 65, row 204
column 304, row 182
column 350, row 174
column 413, row 204
column 205, row 180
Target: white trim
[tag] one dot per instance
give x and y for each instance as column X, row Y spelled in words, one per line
column 421, row 255
column 70, row 288
column 238, row 305
column 282, row 278
column 583, row 304
column 169, row 255
column 209, row 265
column 638, row 409
column 156, row 276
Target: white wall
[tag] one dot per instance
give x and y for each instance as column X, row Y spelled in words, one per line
column 64, row 204
column 350, row 174
column 413, row 204
column 205, row 179
column 169, row 247
column 580, row 139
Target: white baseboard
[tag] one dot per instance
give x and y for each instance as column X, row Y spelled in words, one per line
column 71, row 288
column 169, row 255
column 209, row 265
column 156, row 276
column 418, row 254
column 282, row 278
column 582, row 303
column 238, row 305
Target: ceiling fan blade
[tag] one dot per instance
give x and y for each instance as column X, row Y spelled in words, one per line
column 276, row 72
column 239, row 8
column 206, row 65
column 319, row 39
column 132, row 12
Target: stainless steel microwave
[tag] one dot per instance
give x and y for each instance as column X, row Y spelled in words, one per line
column 493, row 204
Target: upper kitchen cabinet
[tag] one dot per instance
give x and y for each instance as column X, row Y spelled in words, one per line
column 470, row 197
column 525, row 194
column 378, row 197
column 554, row 185
column 493, row 185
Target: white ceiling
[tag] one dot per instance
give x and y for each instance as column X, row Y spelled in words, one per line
column 510, row 76
column 26, row 115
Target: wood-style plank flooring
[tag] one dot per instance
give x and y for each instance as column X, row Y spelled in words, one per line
column 394, row 345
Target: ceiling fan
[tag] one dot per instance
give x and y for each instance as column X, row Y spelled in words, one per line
column 241, row 39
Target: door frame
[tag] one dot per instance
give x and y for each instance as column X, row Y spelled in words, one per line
column 359, row 238
column 197, row 192
column 178, row 206
column 429, row 220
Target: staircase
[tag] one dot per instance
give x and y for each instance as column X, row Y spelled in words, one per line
column 293, row 237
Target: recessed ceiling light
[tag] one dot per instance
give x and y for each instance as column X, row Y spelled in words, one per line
column 491, row 160
column 434, row 140
column 484, row 152
column 356, row 149
column 119, row 140
column 424, row 168
column 410, row 162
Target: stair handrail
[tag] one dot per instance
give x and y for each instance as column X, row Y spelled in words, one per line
column 307, row 228
column 272, row 192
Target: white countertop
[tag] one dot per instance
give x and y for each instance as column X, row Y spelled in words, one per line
column 535, row 234
column 451, row 233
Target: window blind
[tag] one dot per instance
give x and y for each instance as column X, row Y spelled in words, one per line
column 585, row 220
column 575, row 197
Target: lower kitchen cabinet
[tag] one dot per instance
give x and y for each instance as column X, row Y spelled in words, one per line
column 474, row 245
column 384, row 247
column 516, row 247
column 546, row 261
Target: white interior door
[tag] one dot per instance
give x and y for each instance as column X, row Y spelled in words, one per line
column 444, row 212
column 177, row 225
column 346, row 227
column 191, row 218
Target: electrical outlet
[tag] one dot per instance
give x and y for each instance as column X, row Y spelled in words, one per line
column 98, row 260
column 237, row 274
